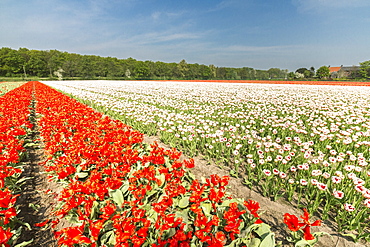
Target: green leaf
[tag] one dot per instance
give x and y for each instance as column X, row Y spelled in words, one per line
column 34, row 207
column 353, row 236
column 184, row 215
column 125, row 187
column 255, row 242
column 94, row 209
column 184, row 202
column 108, row 238
column 302, row 243
column 162, row 177
column 235, row 243
column 227, row 202
column 82, row 174
column 191, row 175
column 268, row 240
column 23, row 179
column 263, row 229
column 246, row 182
column 117, row 196
column 233, row 173
column 170, row 233
column 22, row 223
column 207, row 207
column 30, row 144
column 25, row 243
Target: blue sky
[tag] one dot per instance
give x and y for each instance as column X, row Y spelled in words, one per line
column 261, row 34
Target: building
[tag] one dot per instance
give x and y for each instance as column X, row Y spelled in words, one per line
column 344, row 71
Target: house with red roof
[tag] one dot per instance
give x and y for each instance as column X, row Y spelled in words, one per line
column 344, row 71
column 334, row 69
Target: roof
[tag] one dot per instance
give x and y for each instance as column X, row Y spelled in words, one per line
column 351, row 68
column 334, row 69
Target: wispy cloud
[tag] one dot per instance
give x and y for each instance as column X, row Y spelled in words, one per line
column 327, row 5
column 229, row 4
column 165, row 16
column 249, row 49
column 158, row 37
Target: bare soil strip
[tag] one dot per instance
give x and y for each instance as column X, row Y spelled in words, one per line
column 36, row 199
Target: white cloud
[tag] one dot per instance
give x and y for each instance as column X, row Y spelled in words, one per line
column 248, row 49
column 230, row 4
column 165, row 16
column 157, row 37
column 327, row 5
column 156, row 15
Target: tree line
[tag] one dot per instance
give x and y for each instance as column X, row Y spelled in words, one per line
column 56, row 64
column 24, row 63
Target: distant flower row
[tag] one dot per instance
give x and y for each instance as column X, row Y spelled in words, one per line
column 8, row 86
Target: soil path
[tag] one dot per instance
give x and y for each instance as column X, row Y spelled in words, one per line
column 37, row 198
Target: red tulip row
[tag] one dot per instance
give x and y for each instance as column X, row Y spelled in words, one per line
column 14, row 125
column 121, row 192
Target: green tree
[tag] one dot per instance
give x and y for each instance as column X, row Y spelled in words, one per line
column 54, row 60
column 291, row 75
column 37, row 65
column 276, row 73
column 194, row 71
column 205, row 72
column 141, row 70
column 301, row 70
column 307, row 73
column 183, row 69
column 323, row 72
column 24, row 62
column 262, row 75
column 161, row 70
column 213, row 71
column 365, row 69
column 11, row 62
column 174, row 71
column 232, row 74
column 71, row 65
column 312, row 69
column 221, row 72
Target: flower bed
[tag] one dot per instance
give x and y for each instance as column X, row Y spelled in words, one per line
column 333, row 83
column 8, row 86
column 14, row 125
column 308, row 144
column 120, row 192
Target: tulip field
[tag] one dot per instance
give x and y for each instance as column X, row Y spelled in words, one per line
column 307, row 145
column 115, row 190
column 14, row 126
column 8, row 86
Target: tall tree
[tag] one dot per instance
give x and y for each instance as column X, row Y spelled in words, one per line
column 141, row 70
column 323, row 72
column 213, row 71
column 11, row 62
column 307, row 73
column 183, row 69
column 276, row 73
column 365, row 69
